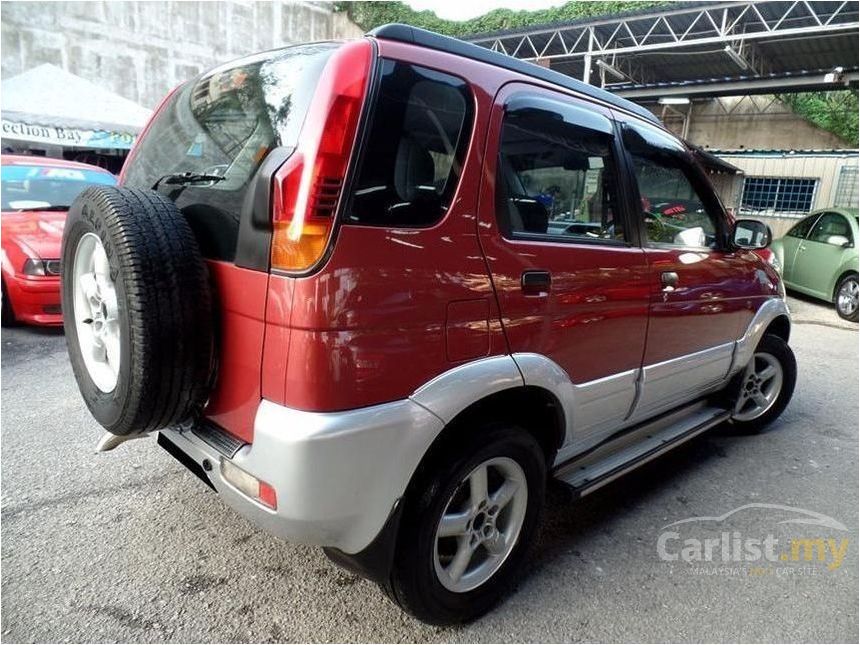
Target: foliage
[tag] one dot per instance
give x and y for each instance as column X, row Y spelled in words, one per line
column 835, row 111
column 368, row 15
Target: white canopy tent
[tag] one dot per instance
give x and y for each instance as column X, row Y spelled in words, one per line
column 52, row 106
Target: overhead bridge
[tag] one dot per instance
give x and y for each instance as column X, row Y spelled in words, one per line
column 700, row 49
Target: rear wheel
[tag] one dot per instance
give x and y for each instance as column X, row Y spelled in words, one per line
column 762, row 391
column 467, row 523
column 846, row 299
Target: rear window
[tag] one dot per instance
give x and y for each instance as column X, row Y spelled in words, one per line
column 414, row 150
column 27, row 187
column 224, row 123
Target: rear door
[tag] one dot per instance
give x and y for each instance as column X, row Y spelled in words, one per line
column 571, row 284
column 702, row 293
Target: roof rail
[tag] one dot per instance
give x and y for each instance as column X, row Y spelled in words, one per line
column 432, row 40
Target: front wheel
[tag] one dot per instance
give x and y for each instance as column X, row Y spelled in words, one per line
column 846, row 299
column 468, row 520
column 762, row 391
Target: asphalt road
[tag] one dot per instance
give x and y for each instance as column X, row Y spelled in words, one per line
column 127, row 546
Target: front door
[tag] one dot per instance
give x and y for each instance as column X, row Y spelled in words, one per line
column 702, row 293
column 791, row 243
column 571, row 286
column 821, row 253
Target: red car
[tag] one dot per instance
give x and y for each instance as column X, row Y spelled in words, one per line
column 36, row 194
column 376, row 293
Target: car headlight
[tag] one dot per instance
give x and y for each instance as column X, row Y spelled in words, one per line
column 40, row 267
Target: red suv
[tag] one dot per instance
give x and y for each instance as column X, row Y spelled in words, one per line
column 375, row 293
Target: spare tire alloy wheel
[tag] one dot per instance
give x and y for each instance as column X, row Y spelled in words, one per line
column 138, row 310
column 96, row 312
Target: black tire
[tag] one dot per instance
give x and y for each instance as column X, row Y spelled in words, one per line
column 846, row 314
column 779, row 349
column 164, row 304
column 414, row 584
column 8, row 319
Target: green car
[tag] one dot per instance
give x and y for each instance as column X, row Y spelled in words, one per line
column 818, row 257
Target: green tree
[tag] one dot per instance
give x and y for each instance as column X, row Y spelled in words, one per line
column 368, row 15
column 834, row 111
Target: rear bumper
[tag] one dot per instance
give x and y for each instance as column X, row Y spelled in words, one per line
column 337, row 475
column 35, row 300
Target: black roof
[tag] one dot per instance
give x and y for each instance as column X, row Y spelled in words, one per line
column 432, row 40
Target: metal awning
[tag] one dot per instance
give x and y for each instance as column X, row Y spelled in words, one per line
column 700, row 48
column 714, row 164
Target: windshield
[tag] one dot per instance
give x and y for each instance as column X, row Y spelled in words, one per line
column 46, row 187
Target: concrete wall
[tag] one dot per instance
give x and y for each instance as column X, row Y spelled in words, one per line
column 746, row 122
column 140, row 50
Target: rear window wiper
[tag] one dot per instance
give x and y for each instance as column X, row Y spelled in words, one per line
column 185, row 178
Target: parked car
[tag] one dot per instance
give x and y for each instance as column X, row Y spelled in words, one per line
column 36, row 193
column 329, row 283
column 818, row 257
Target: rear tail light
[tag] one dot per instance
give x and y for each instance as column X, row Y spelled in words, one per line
column 308, row 186
column 249, row 485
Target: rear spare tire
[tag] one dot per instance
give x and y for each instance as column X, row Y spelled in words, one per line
column 137, row 309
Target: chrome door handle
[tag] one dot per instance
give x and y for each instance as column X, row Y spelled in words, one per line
column 669, row 279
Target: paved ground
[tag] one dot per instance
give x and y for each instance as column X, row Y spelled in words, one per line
column 127, row 546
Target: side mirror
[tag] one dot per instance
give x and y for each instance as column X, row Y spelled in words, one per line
column 839, row 240
column 751, row 234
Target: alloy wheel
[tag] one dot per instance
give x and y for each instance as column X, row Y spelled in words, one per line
column 760, row 387
column 96, row 312
column 846, row 299
column 480, row 524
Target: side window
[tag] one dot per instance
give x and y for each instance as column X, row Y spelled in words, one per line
column 556, row 173
column 675, row 207
column 801, row 229
column 414, row 149
column 832, row 228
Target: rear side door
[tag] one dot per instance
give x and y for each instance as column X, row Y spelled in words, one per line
column 571, row 284
column 822, row 253
column 791, row 244
column 702, row 293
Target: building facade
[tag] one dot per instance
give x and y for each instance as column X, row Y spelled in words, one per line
column 142, row 49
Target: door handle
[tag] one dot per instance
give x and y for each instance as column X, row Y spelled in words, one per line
column 535, row 283
column 669, row 280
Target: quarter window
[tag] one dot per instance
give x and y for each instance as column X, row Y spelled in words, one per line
column 556, row 177
column 414, row 153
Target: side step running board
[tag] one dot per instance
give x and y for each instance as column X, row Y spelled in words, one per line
column 638, row 446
